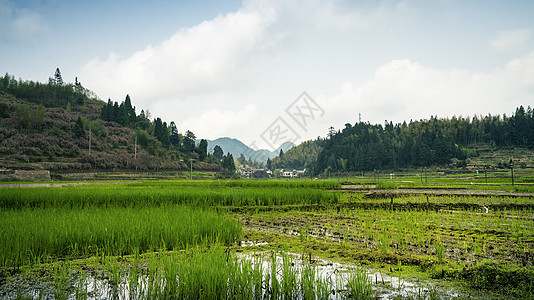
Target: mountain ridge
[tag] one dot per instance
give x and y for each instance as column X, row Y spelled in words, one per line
column 236, row 148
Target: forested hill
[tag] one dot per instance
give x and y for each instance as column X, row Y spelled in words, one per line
column 64, row 127
column 434, row 141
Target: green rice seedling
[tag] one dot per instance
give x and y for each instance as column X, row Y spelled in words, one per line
column 256, row 277
column 289, row 278
column 274, row 288
column 433, row 294
column 154, row 280
column 243, row 279
column 114, row 271
column 116, row 231
column 527, row 291
column 81, row 290
column 440, row 250
column 308, row 282
column 324, row 288
column 384, row 242
column 359, row 284
column 125, row 196
column 61, row 280
column 214, row 273
column 135, row 288
column 289, row 184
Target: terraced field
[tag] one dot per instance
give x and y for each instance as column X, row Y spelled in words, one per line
column 265, row 239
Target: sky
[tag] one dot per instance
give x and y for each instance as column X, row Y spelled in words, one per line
column 267, row 72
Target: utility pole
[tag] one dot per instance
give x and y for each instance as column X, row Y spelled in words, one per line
column 135, row 152
column 426, row 179
column 512, row 167
column 89, row 140
column 486, row 174
column 421, row 175
column 191, row 174
column 359, row 117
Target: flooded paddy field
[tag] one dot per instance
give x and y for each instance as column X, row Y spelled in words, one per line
column 262, row 240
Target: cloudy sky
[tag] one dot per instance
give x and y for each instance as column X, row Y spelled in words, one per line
column 239, row 68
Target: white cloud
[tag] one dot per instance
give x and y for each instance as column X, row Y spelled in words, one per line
column 512, row 41
column 224, row 53
column 215, row 123
column 403, row 90
column 203, row 76
column 338, row 15
column 209, row 57
column 19, row 24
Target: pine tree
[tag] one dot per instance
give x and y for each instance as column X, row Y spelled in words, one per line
column 202, row 149
column 79, row 129
column 228, row 164
column 189, row 142
column 57, row 77
column 175, row 136
column 130, row 110
column 218, row 152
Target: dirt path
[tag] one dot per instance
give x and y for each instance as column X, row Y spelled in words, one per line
column 444, row 192
column 37, row 185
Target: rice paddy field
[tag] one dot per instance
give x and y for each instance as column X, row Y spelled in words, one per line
column 346, row 238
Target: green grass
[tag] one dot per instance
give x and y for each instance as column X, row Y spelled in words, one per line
column 216, row 273
column 59, row 224
column 34, row 235
column 145, row 195
column 256, row 183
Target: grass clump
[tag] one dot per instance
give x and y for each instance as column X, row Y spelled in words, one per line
column 33, row 235
column 111, row 196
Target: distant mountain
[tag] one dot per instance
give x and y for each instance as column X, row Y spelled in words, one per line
column 236, row 147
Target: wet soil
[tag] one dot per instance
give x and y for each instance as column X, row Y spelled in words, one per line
column 441, row 192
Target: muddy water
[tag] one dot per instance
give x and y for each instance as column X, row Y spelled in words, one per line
column 384, row 286
column 98, row 285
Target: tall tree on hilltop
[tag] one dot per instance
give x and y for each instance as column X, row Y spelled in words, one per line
column 228, row 164
column 57, row 77
column 189, row 142
column 130, row 110
column 175, row 138
column 115, row 113
column 161, row 132
column 218, row 152
column 124, row 119
column 202, row 149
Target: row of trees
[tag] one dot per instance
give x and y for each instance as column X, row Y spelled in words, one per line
column 364, row 147
column 368, row 147
column 113, row 130
column 516, row 130
column 244, row 162
column 420, row 143
column 302, row 156
column 160, row 139
column 156, row 135
column 55, row 93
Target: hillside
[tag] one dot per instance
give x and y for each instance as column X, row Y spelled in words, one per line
column 303, row 156
column 424, row 143
column 64, row 128
column 454, row 143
